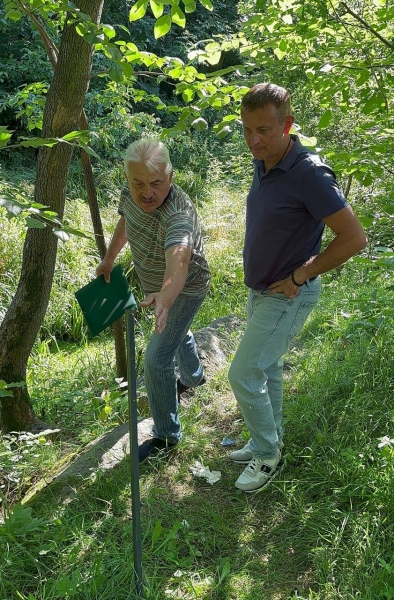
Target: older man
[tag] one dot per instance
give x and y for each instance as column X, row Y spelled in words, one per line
column 161, row 225
column 292, row 197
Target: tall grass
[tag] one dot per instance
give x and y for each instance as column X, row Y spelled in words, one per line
column 324, row 531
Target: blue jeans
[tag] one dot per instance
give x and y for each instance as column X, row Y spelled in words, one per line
column 256, row 372
column 175, row 342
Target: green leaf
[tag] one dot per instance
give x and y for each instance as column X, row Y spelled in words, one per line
column 61, row 234
column 279, row 53
column 34, row 223
column 75, row 135
column 207, row 4
column 13, row 207
column 109, row 31
column 224, row 131
column 188, row 95
column 376, row 101
column 38, row 142
column 115, row 74
column 162, row 26
column 190, row 6
column 362, row 77
column 199, row 124
column 325, row 119
column 177, row 16
column 156, row 8
column 366, row 221
column 4, row 384
column 14, row 15
column 138, row 10
column 79, row 233
column 5, row 135
column 157, row 531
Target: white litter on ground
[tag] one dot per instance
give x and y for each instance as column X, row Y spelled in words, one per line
column 200, row 470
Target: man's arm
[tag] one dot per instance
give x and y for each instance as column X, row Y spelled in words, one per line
column 349, row 239
column 177, row 268
column 115, row 246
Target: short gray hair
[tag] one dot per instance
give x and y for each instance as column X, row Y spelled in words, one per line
column 153, row 153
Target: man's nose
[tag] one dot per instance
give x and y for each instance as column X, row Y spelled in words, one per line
column 254, row 138
column 148, row 191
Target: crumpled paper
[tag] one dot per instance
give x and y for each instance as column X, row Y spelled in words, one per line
column 200, row 470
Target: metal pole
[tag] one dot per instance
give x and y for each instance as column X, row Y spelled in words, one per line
column 134, row 461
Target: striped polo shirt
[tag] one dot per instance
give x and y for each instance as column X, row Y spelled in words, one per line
column 151, row 234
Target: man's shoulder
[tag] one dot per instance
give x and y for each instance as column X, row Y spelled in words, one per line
column 178, row 203
column 179, row 197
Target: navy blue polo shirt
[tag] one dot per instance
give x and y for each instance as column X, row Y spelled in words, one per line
column 284, row 213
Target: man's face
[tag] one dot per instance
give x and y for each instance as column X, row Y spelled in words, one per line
column 264, row 133
column 148, row 189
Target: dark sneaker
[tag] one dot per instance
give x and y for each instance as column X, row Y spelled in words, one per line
column 181, row 388
column 153, row 447
column 259, row 473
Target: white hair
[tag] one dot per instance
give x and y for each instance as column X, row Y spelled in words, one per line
column 153, row 153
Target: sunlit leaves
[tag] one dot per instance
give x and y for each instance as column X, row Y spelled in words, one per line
column 156, row 8
column 177, row 16
column 138, row 10
column 162, row 26
column 5, row 136
column 207, row 4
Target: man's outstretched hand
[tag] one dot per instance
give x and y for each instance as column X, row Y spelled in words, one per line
column 161, row 309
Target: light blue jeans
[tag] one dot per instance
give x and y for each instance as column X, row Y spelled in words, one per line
column 176, row 342
column 256, row 372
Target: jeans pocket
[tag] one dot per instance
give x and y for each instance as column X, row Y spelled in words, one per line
column 304, row 309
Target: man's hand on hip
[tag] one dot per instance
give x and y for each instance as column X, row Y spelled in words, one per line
column 284, row 286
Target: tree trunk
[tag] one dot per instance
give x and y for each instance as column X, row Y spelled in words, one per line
column 23, row 319
column 117, row 327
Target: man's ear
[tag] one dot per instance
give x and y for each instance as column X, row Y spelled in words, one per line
column 170, row 176
column 289, row 120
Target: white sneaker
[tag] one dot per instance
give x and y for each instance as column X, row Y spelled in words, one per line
column 259, row 473
column 245, row 455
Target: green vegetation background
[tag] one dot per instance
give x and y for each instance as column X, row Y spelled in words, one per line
column 324, row 531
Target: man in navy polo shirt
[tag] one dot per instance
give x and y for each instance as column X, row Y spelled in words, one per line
column 292, row 197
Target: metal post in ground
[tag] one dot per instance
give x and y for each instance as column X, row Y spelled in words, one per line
column 134, row 461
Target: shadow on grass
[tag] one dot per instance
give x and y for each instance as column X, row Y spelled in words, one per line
column 199, row 541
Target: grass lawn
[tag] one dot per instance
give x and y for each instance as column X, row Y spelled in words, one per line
column 323, row 531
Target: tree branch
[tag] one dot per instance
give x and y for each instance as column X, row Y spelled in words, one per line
column 367, row 26
column 49, row 45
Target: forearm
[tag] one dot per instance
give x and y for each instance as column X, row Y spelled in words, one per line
column 175, row 275
column 117, row 242
column 336, row 253
column 349, row 240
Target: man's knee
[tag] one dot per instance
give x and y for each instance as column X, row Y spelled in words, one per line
column 236, row 376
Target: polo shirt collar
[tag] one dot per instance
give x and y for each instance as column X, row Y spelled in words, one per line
column 286, row 163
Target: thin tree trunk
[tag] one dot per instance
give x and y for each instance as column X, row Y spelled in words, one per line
column 23, row 319
column 117, row 327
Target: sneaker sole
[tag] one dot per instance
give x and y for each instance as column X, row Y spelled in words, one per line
column 241, row 462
